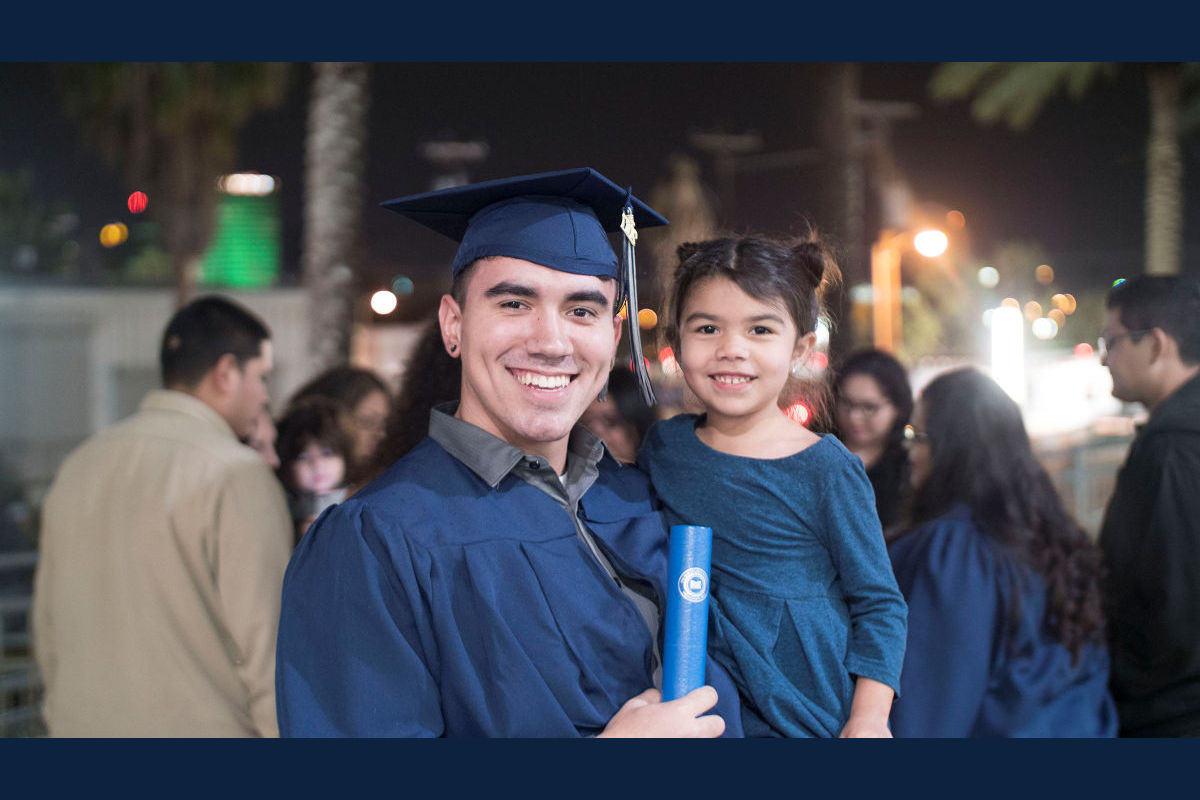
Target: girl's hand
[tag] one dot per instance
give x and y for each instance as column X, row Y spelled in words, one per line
column 864, row 727
column 869, row 711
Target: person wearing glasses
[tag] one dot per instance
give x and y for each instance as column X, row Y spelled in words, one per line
column 873, row 401
column 1005, row 622
column 1151, row 530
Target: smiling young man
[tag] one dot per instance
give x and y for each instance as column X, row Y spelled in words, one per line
column 1151, row 530
column 505, row 577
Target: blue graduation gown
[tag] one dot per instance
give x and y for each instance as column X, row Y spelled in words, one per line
column 979, row 661
column 430, row 604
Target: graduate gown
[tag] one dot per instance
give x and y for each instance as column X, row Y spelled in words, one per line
column 432, row 604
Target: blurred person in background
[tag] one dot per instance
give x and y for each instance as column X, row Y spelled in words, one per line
column 1005, row 621
column 364, row 399
column 314, row 451
column 163, row 546
column 431, row 378
column 873, row 401
column 1151, row 529
column 620, row 417
column 262, row 439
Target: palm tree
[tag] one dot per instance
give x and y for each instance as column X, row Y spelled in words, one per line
column 1016, row 93
column 334, row 163
column 172, row 128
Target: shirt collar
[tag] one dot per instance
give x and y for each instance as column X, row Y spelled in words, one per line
column 490, row 457
column 184, row 403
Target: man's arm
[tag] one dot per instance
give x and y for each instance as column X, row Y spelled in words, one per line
column 355, row 641
column 646, row 716
column 254, row 541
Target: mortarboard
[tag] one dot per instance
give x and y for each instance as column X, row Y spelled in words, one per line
column 559, row 220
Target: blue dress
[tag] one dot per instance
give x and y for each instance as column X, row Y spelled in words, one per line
column 979, row 662
column 802, row 595
column 431, row 603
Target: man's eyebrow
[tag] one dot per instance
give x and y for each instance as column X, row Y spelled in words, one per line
column 588, row 296
column 508, row 288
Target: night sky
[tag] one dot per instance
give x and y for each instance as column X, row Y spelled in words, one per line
column 1072, row 183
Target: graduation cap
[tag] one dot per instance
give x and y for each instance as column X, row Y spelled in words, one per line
column 559, row 220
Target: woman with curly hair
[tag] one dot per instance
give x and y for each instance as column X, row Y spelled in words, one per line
column 1005, row 625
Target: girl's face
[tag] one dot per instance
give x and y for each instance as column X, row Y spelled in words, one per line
column 737, row 351
column 318, row 469
column 865, row 415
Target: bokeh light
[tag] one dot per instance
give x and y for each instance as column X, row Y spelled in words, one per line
column 818, row 361
column 1010, row 302
column 137, row 202
column 1083, row 350
column 1033, row 310
column 384, row 302
column 666, row 357
column 246, row 183
column 1044, row 328
column 1044, row 274
column 931, row 243
column 988, row 277
column 955, row 219
column 1058, row 316
column 798, row 412
column 1071, row 304
column 402, row 285
column 647, row 319
column 113, row 234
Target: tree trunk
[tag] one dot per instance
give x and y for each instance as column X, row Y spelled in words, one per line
column 334, row 153
column 846, row 176
column 1164, row 172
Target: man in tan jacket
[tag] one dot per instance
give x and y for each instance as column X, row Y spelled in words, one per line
column 163, row 546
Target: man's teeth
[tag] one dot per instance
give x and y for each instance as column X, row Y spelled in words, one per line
column 544, row 381
column 730, row 379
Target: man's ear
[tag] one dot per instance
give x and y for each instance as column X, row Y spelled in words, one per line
column 450, row 321
column 1164, row 345
column 226, row 373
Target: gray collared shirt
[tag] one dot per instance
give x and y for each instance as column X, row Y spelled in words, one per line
column 491, row 458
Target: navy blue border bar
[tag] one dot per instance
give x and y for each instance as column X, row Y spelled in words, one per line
column 670, row 769
column 543, row 31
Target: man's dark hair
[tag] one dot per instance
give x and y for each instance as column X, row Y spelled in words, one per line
column 203, row 331
column 1168, row 302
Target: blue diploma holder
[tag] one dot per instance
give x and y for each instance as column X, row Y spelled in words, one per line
column 685, row 639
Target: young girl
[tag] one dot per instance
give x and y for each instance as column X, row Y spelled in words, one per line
column 805, row 612
column 314, row 450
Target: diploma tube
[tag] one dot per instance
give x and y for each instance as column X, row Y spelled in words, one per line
column 685, row 639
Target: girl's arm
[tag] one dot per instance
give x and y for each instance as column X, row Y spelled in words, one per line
column 869, row 711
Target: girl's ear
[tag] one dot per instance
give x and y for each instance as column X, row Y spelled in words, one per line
column 804, row 346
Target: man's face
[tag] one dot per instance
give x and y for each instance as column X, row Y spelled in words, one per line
column 248, row 394
column 1127, row 358
column 536, row 345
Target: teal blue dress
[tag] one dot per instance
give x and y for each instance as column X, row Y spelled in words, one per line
column 803, row 598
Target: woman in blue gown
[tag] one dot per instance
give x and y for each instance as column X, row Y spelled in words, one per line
column 1005, row 627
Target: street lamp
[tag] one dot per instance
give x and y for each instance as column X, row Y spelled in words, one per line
column 885, row 277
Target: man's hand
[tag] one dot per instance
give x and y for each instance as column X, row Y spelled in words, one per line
column 647, row 716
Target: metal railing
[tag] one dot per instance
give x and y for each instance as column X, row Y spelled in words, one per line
column 20, row 683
